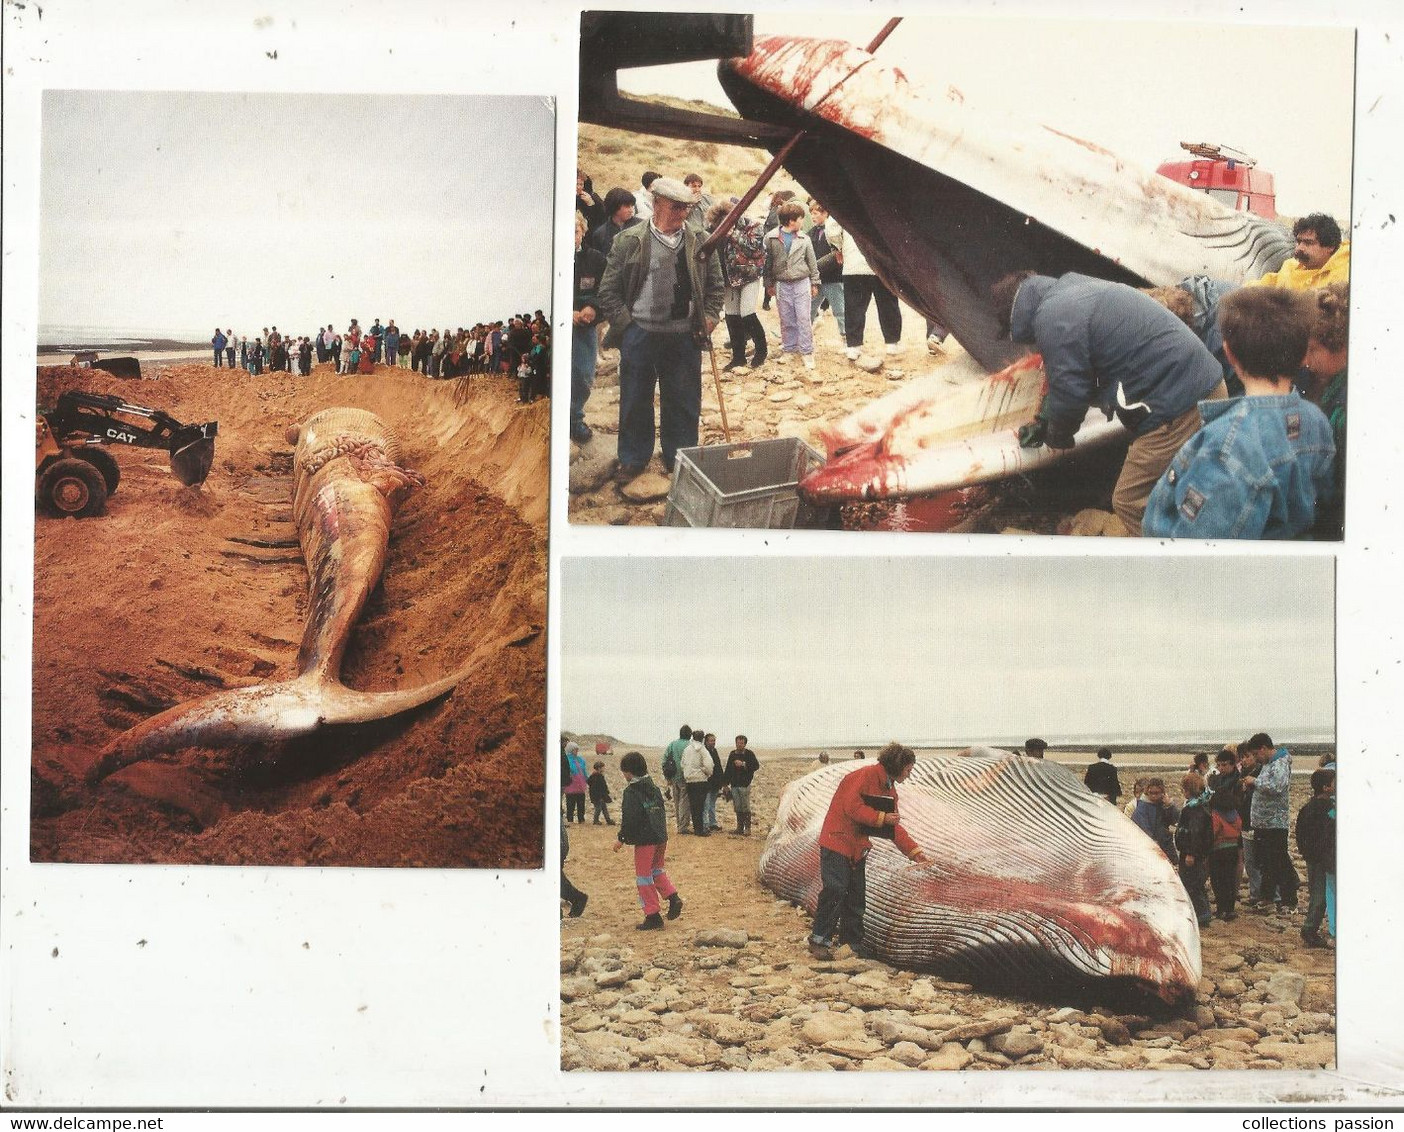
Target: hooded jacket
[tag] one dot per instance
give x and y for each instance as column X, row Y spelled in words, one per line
column 1108, row 345
column 1269, row 807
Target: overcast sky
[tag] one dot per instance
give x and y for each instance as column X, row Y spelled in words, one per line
column 821, row 651
column 167, row 211
column 1282, row 94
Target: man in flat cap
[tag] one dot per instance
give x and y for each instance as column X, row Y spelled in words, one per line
column 661, row 303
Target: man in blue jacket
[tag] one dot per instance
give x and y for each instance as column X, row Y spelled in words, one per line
column 1109, row 346
column 1269, row 816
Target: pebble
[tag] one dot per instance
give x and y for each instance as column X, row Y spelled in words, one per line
column 1286, row 986
column 591, row 468
column 909, row 1054
column 952, row 1055
column 828, row 1026
column 647, row 488
column 884, row 1065
column 1017, row 1043
column 721, row 937
column 728, row 1030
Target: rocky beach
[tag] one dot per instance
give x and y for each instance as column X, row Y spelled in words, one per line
column 731, row 985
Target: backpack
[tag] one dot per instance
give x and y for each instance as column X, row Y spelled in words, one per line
column 657, row 817
column 670, row 766
column 1228, row 826
column 745, row 252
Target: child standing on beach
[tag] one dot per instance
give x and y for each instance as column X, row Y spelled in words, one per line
column 643, row 823
column 599, row 795
column 1316, row 841
column 792, row 275
column 1194, row 840
column 1155, row 816
column 1136, row 791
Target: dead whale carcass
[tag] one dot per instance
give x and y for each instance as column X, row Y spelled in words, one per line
column 1035, row 885
column 944, row 198
column 934, row 434
column 348, row 483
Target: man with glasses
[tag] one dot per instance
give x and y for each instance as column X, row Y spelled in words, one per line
column 662, row 304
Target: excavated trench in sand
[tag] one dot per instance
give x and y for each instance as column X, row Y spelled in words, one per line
column 169, row 596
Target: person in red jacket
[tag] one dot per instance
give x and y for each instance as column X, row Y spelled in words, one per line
column 863, row 806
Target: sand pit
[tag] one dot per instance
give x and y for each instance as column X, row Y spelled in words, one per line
column 170, row 595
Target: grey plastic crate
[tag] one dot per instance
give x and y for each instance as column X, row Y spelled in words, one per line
column 742, row 485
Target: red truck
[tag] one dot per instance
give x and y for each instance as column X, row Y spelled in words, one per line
column 1228, row 175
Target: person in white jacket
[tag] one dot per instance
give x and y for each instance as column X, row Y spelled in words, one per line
column 696, row 770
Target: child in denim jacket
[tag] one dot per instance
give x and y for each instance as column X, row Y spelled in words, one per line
column 1261, row 461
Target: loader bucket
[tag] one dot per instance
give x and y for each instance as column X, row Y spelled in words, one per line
column 192, row 453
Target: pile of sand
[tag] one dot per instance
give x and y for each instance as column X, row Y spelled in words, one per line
column 157, row 602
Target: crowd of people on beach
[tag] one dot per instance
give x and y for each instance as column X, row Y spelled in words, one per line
column 1234, row 396
column 695, row 777
column 1230, row 830
column 518, row 347
column 796, row 256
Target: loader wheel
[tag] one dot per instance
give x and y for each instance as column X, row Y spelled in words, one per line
column 72, row 487
column 102, row 460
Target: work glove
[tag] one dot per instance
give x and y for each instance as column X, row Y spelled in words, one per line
column 1035, row 433
column 1032, row 434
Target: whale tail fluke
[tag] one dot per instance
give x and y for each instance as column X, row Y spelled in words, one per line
column 263, row 713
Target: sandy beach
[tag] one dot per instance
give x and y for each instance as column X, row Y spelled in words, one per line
column 731, row 986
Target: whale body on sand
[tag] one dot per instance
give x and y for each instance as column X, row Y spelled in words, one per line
column 1035, row 885
column 348, row 483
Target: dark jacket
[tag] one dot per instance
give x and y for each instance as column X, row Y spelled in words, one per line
column 741, row 767
column 602, row 238
column 714, row 780
column 1194, row 836
column 830, row 270
column 1101, row 778
column 1316, row 832
column 627, row 266
column 1228, row 794
column 1110, row 346
column 642, row 818
column 598, row 787
column 589, row 270
column 594, row 212
column 1155, row 821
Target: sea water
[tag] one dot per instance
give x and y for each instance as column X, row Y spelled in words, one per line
column 62, row 338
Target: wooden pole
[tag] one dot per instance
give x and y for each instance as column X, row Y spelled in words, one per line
column 716, row 380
